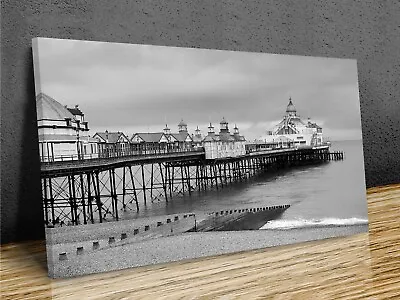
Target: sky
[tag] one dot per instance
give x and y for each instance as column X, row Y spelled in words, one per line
column 140, row 88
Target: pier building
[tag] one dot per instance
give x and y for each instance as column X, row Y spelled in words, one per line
column 78, row 114
column 197, row 138
column 151, row 141
column 63, row 132
column 223, row 144
column 112, row 143
column 182, row 139
column 292, row 131
column 164, row 141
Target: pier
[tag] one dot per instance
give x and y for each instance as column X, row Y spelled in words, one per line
column 100, row 189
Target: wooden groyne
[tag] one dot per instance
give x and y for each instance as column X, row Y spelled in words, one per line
column 67, row 244
column 240, row 219
column 66, row 247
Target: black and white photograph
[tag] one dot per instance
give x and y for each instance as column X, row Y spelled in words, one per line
column 153, row 154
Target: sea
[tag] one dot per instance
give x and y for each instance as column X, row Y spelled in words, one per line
column 326, row 200
column 329, row 195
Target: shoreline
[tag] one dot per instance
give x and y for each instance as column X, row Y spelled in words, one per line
column 191, row 245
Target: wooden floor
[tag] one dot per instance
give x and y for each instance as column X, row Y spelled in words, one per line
column 358, row 267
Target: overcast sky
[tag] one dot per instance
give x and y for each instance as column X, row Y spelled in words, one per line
column 139, row 88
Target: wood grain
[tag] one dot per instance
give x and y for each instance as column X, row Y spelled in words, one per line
column 363, row 266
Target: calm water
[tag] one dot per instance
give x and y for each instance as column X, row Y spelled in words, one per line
column 326, row 195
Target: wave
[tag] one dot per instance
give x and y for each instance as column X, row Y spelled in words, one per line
column 313, row 223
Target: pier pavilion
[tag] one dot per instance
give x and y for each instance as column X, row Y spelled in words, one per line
column 223, row 144
column 63, row 132
column 293, row 131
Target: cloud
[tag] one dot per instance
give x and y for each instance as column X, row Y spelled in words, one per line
column 141, row 86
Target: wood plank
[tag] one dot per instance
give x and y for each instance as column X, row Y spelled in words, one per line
column 363, row 266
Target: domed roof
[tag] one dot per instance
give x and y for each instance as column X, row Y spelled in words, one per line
column 223, row 121
column 48, row 108
column 290, row 107
column 182, row 123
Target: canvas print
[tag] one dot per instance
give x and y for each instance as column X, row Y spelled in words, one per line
column 152, row 154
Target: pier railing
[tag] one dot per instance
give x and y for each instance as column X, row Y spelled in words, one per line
column 67, row 166
column 148, row 157
column 116, row 154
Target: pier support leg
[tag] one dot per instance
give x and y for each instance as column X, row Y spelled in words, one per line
column 97, row 195
column 83, row 199
column 214, row 168
column 143, row 185
column 134, row 188
column 164, row 184
column 152, row 181
column 173, row 179
column 168, row 175
column 187, row 170
column 53, row 217
column 114, row 194
column 71, row 203
column 124, row 169
column 90, row 198
column 46, row 212
column 182, row 180
column 198, row 178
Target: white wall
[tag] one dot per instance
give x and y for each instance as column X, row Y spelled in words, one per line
column 219, row 149
column 51, row 131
